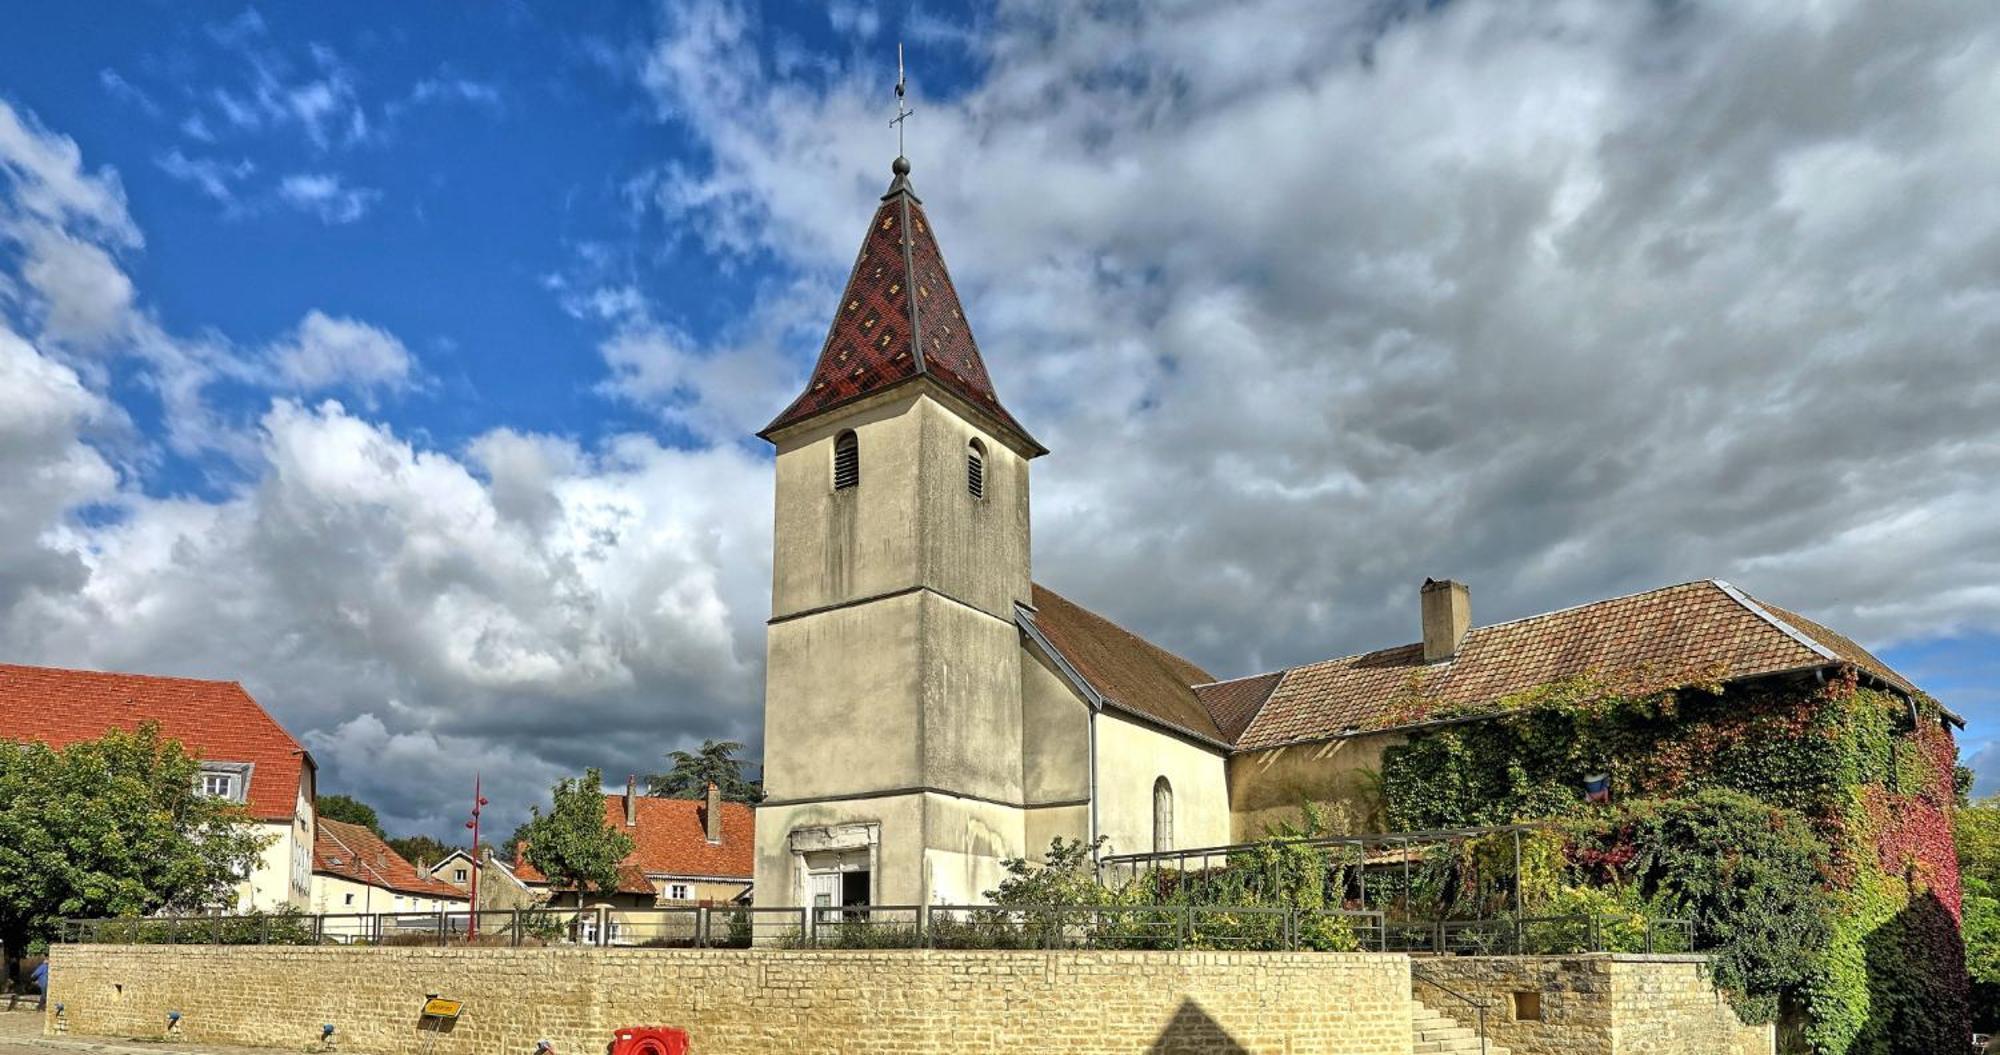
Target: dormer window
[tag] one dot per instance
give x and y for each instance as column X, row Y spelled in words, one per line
column 975, row 469
column 846, row 461
column 224, row 780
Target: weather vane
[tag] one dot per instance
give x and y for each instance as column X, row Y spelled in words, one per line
column 902, row 112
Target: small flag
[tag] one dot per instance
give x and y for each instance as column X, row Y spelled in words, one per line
column 1597, row 788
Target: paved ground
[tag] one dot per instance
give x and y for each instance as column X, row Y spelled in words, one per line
column 21, row 1034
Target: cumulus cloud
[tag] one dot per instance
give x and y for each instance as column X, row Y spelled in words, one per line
column 325, row 352
column 528, row 605
column 1566, row 300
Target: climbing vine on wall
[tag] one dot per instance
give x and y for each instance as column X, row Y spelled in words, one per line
column 1807, row 826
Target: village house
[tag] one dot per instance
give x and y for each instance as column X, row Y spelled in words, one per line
column 246, row 756
column 355, row 871
column 685, row 853
column 931, row 711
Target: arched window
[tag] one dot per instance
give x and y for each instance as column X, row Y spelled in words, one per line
column 846, row 461
column 975, row 469
column 1163, row 815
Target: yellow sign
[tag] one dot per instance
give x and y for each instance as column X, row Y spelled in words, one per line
column 439, row 1007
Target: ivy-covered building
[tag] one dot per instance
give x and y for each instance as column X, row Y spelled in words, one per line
column 934, row 716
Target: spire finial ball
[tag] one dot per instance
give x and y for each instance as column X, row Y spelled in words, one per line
column 901, row 166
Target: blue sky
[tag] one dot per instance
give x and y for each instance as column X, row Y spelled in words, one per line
column 402, row 361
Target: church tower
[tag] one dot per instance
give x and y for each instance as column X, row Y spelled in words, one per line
column 892, row 710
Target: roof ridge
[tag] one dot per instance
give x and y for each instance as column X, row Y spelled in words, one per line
column 1281, row 671
column 1772, row 618
column 1564, row 610
column 118, row 674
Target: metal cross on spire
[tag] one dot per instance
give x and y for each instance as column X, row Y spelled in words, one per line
column 902, row 112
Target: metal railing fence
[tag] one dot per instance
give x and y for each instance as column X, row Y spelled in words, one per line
column 1248, row 927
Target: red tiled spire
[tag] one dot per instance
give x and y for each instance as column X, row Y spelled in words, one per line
column 899, row 318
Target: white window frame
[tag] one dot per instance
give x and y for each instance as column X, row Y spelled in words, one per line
column 229, row 781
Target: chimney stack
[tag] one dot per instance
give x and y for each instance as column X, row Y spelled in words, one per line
column 714, row 814
column 632, row 801
column 1447, row 616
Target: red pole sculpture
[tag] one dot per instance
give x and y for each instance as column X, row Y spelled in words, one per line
column 472, row 917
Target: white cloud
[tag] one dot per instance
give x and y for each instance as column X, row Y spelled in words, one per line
column 367, row 588
column 324, row 195
column 325, row 352
column 46, row 182
column 445, row 88
column 214, row 177
column 1564, row 299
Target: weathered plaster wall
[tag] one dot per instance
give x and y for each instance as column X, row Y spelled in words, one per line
column 910, row 521
column 1597, row 1005
column 1055, row 735
column 1267, row 787
column 746, row 1002
column 1130, row 757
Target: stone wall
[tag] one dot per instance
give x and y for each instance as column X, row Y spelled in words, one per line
column 1596, row 1005
column 745, row 1001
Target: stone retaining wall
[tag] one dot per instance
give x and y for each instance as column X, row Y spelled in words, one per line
column 1597, row 1005
column 744, row 1001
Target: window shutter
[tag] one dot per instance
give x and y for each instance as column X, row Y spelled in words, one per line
column 975, row 471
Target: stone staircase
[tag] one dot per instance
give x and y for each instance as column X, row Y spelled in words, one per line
column 1435, row 1031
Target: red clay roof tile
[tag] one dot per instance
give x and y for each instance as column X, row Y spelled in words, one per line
column 1130, row 672
column 352, row 851
column 671, row 839
column 216, row 720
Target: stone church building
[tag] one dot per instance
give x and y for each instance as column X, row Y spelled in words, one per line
column 931, row 710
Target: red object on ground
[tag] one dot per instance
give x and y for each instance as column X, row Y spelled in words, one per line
column 649, row 1040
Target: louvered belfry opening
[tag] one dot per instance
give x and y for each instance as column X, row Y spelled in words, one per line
column 846, row 461
column 975, row 469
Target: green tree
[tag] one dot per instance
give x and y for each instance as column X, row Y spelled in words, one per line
column 350, row 809
column 112, row 827
column 715, row 763
column 421, row 848
column 573, row 844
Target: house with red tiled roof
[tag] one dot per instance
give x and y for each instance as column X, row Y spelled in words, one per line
column 246, row 756
column 685, row 852
column 356, row 872
column 931, row 711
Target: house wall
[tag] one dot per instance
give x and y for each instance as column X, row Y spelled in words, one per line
column 1267, row 788
column 1130, row 757
column 1055, row 736
column 330, row 895
column 1596, row 1005
column 744, row 1001
column 700, row 891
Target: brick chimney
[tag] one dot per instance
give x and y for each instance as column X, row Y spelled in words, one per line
column 632, row 801
column 714, row 814
column 1447, row 616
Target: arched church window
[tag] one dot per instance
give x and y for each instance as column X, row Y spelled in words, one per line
column 975, row 469
column 1163, row 815
column 846, row 461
